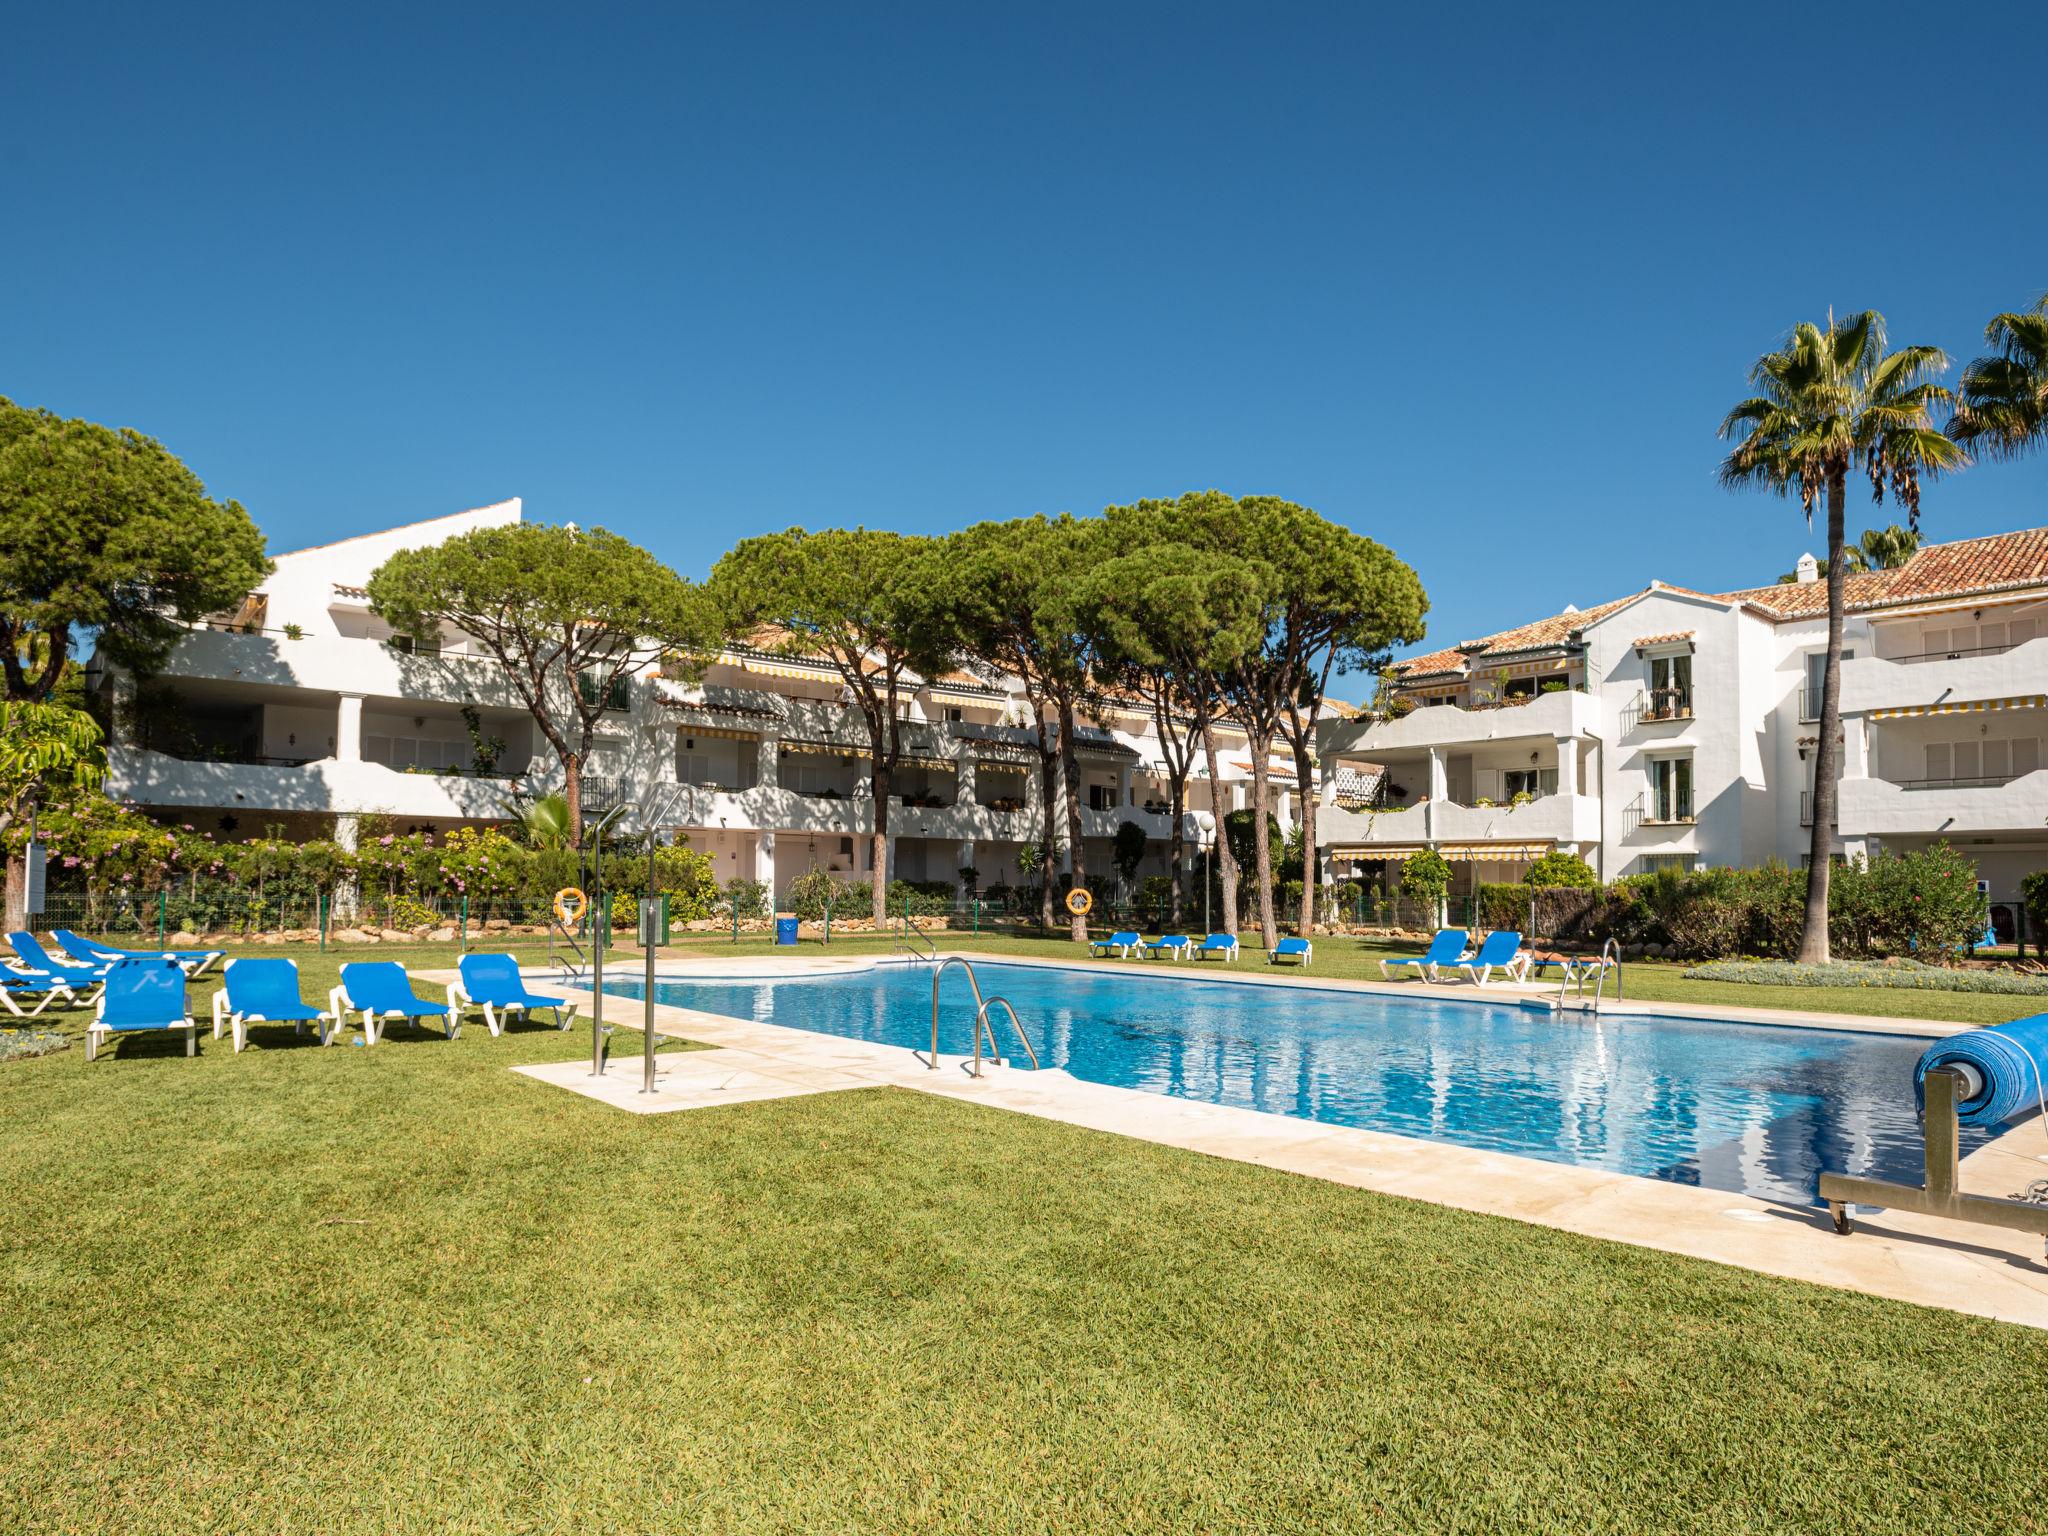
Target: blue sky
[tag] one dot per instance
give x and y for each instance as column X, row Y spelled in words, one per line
column 1482, row 288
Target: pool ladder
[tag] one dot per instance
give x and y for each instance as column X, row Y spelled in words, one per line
column 914, row 944
column 1610, row 959
column 982, row 1006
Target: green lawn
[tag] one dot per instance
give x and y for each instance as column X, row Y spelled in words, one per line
column 403, row 1289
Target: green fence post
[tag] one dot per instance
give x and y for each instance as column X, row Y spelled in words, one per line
column 463, row 937
column 735, row 919
column 162, row 900
column 977, row 916
column 322, row 910
column 828, row 918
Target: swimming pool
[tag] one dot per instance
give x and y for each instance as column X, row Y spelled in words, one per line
column 1755, row 1109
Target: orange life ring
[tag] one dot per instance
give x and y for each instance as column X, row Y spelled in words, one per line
column 1079, row 902
column 570, row 905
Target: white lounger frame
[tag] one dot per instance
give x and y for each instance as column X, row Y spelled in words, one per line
column 327, row 1025
column 458, row 1000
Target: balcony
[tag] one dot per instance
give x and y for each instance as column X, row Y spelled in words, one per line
column 1886, row 807
column 332, row 664
column 322, row 784
column 1901, row 682
column 1570, row 713
column 1550, row 818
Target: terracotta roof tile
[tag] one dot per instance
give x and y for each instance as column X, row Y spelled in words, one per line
column 1554, row 630
column 1999, row 562
column 1673, row 638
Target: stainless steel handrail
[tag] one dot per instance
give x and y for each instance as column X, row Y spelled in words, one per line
column 981, row 1008
column 904, row 946
column 1610, row 957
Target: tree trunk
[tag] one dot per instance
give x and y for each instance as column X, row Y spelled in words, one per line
column 1813, row 943
column 1177, row 801
column 1070, row 776
column 572, row 792
column 1262, row 844
column 1305, row 784
column 1048, row 833
column 1226, row 861
column 17, row 892
column 878, row 846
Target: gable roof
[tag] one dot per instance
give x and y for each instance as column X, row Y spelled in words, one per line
column 1541, row 635
column 1999, row 562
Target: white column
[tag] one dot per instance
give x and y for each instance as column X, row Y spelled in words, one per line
column 1439, row 776
column 1123, row 785
column 889, row 858
column 764, row 861
column 963, row 783
column 768, row 762
column 964, row 860
column 348, row 729
column 1240, row 794
column 347, row 832
column 1855, row 747
column 1567, row 765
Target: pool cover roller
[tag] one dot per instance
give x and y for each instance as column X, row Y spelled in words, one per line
column 2000, row 1068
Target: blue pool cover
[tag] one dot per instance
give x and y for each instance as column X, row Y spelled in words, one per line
column 2007, row 1061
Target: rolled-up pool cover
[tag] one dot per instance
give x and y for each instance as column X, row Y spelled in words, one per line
column 2001, row 1069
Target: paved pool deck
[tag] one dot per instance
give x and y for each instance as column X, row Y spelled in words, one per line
column 1961, row 1267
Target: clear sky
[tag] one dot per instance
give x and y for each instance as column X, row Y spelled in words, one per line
column 1479, row 286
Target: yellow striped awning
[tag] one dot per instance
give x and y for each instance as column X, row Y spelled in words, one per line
column 1469, row 853
column 990, row 700
column 788, row 667
column 717, row 733
column 1493, row 853
column 1963, row 707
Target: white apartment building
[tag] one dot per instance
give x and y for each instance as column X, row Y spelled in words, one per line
column 1673, row 728
column 304, row 710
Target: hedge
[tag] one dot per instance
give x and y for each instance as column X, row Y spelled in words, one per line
column 1910, row 975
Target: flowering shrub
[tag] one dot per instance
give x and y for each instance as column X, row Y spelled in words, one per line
column 1907, row 974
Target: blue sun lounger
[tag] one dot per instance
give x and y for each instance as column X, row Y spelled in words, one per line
column 1123, row 945
column 380, row 990
column 1223, row 944
column 1174, row 946
column 89, row 952
column 266, row 991
column 493, row 983
column 1301, row 951
column 1502, row 951
column 38, row 961
column 1445, row 950
column 140, row 996
column 17, row 985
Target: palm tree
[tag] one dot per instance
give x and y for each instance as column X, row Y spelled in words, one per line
column 546, row 822
column 2003, row 403
column 1879, row 549
column 1830, row 401
column 1883, row 549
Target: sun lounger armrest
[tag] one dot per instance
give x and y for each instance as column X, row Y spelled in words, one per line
column 337, row 1002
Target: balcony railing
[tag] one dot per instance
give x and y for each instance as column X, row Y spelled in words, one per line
column 1806, row 810
column 1954, row 655
column 1961, row 781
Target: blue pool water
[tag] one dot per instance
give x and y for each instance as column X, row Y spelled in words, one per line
column 1751, row 1108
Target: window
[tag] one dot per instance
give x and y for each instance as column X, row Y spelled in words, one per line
column 1816, row 670
column 618, row 694
column 1992, row 760
column 406, row 645
column 1670, row 789
column 1671, row 687
column 1533, row 782
column 1651, row 863
column 955, row 714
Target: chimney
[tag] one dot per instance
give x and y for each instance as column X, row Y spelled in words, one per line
column 1808, row 570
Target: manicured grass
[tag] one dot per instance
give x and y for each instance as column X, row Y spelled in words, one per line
column 403, row 1289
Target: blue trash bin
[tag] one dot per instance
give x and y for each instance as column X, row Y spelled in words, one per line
column 785, row 930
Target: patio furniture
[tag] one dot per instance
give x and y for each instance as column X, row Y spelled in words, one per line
column 1123, row 945
column 380, row 990
column 1446, row 949
column 1224, row 944
column 1174, row 946
column 92, row 952
column 140, row 996
column 16, row 985
column 1300, row 951
column 266, row 991
column 38, row 961
column 1501, row 951
column 493, row 983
